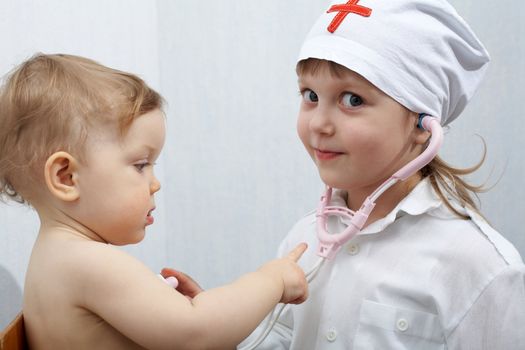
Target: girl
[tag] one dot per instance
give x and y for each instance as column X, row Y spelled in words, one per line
column 426, row 271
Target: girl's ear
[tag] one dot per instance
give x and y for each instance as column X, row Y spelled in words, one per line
column 61, row 173
column 422, row 136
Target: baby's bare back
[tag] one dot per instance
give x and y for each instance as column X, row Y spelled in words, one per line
column 53, row 312
column 81, row 331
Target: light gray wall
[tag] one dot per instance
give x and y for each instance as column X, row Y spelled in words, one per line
column 234, row 175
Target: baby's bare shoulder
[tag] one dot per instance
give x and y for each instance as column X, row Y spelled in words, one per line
column 83, row 269
column 68, row 282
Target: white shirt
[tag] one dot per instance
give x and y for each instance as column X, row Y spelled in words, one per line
column 420, row 278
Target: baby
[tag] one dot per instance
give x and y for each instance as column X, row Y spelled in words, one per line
column 78, row 143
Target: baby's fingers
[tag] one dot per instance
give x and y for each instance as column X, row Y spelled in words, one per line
column 186, row 284
column 300, row 300
column 297, row 252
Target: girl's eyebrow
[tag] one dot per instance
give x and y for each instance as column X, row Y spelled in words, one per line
column 300, row 81
column 347, row 83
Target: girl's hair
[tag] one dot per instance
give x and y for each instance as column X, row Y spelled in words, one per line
column 446, row 180
column 50, row 102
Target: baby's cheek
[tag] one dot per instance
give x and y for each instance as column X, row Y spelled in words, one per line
column 138, row 205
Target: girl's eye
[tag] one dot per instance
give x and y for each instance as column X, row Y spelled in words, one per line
column 350, row 100
column 310, row 96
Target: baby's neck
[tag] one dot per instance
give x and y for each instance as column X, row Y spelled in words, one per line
column 58, row 223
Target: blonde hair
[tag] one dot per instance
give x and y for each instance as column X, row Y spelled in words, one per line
column 50, row 102
column 446, row 180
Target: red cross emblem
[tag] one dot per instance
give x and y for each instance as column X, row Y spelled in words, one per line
column 343, row 10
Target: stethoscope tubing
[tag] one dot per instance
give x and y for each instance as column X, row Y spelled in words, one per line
column 272, row 320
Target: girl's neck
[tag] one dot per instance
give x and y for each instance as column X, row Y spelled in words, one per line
column 386, row 202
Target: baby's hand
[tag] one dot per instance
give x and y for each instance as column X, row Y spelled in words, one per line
column 295, row 286
column 186, row 285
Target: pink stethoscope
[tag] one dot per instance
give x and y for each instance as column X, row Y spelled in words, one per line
column 330, row 243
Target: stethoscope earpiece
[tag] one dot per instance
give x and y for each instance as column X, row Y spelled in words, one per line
column 420, row 120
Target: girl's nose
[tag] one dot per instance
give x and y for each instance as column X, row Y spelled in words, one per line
column 321, row 122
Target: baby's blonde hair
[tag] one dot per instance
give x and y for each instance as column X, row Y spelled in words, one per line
column 50, row 102
column 446, row 180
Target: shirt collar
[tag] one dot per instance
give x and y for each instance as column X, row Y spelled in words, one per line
column 421, row 199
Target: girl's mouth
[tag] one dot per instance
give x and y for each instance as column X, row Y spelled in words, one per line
column 326, row 155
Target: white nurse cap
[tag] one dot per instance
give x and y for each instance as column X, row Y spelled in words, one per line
column 419, row 52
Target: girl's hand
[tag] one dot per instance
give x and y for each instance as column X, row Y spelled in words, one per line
column 187, row 286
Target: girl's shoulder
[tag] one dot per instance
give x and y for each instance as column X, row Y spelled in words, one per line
column 503, row 247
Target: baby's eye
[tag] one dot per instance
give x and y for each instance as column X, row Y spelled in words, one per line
column 309, row 96
column 140, row 166
column 350, row 100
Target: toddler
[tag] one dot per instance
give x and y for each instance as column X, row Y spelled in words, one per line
column 78, row 142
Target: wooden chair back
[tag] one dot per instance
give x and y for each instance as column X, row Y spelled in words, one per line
column 13, row 337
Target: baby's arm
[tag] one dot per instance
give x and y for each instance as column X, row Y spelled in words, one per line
column 184, row 285
column 133, row 300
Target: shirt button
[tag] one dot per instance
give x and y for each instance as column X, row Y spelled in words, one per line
column 352, row 249
column 402, row 324
column 331, row 335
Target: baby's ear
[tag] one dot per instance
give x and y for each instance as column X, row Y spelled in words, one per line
column 60, row 173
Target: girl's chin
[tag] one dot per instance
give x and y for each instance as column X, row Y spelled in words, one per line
column 333, row 181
